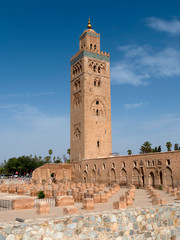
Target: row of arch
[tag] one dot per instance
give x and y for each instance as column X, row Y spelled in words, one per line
column 77, row 85
column 77, row 69
column 137, row 178
column 77, row 99
column 98, row 108
column 92, row 46
column 97, row 67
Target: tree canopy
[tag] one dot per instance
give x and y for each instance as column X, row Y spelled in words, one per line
column 146, row 147
column 22, row 165
column 169, row 146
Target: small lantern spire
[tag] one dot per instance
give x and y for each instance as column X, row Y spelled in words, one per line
column 89, row 24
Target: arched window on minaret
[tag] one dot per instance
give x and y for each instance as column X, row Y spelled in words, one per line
column 94, row 68
column 95, row 47
column 91, row 46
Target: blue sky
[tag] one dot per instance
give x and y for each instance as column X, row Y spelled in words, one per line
column 37, row 40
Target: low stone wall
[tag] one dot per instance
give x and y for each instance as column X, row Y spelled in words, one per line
column 159, row 222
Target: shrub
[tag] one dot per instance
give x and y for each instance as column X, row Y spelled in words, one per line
column 41, row 194
column 160, row 187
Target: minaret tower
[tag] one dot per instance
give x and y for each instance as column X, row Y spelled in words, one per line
column 90, row 99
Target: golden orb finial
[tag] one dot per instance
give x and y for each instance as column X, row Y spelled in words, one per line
column 89, row 24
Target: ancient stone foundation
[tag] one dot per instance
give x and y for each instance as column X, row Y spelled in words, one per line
column 158, row 222
column 42, row 208
column 23, row 203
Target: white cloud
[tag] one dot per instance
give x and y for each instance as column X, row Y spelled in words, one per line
column 141, row 63
column 171, row 27
column 29, row 131
column 8, row 106
column 15, row 95
column 132, row 105
column 122, row 72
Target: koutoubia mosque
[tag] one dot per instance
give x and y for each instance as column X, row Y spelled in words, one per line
column 90, row 99
column 91, row 141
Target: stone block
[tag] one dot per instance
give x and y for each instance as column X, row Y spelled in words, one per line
column 42, row 208
column 88, row 204
column 119, row 205
column 81, row 196
column 48, row 193
column 75, row 190
column 54, row 188
column 88, row 185
column 163, row 201
column 82, row 189
column 108, row 193
column 103, row 198
column 112, row 191
column 76, row 196
column 128, row 201
column 156, row 201
column 96, row 189
column 96, row 197
column 178, row 195
column 70, row 210
column 174, row 192
column 72, row 185
column 155, row 195
column 59, row 193
column 90, row 191
column 4, row 189
column 33, row 192
column 122, row 198
column 169, row 189
column 101, row 186
column 78, row 184
column 117, row 187
column 64, row 201
column 20, row 191
column 23, row 203
column 12, row 190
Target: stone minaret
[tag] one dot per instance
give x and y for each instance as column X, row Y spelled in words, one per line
column 90, row 99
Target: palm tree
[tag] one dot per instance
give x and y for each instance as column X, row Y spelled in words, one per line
column 146, row 147
column 48, row 159
column 129, row 152
column 50, row 152
column 69, row 151
column 169, row 146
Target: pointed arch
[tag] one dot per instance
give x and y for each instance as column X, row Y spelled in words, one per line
column 93, row 176
column 85, row 176
column 123, row 177
column 99, row 106
column 113, row 175
column 135, row 177
column 168, row 176
column 151, row 179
